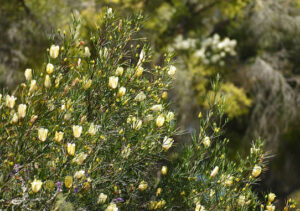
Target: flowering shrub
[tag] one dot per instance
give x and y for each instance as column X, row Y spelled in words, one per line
column 214, row 50
column 93, row 130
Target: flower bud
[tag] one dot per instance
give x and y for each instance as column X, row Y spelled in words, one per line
column 164, row 95
column 54, row 51
column 160, row 120
column 164, row 170
column 36, row 185
column 167, row 143
column 87, row 52
column 58, row 136
column 28, row 74
column 22, row 110
column 113, row 82
column 33, row 118
column 71, row 149
column 121, row 91
column 77, row 131
column 119, row 71
column 206, row 142
column 33, row 86
column 256, row 171
column 49, row 68
column 10, row 101
column 47, row 82
column 139, row 71
column 42, row 133
column 214, row 172
column 15, row 118
column 158, row 191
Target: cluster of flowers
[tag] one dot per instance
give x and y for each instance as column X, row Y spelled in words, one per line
column 214, row 50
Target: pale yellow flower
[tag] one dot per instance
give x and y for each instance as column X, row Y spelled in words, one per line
column 79, row 174
column 170, row 116
column 49, row 68
column 140, row 97
column 137, row 124
column 167, row 143
column 28, row 74
column 241, row 200
column 160, row 120
column 79, row 158
column 58, row 136
column 92, row 129
column 10, row 101
column 113, row 82
column 54, row 51
column 228, row 181
column 121, row 91
column 156, row 107
column 42, row 133
column 143, row 186
column 77, row 131
column 256, row 171
column 36, row 185
column 71, row 149
column 270, row 207
column 112, row 207
column 126, row 152
column 47, row 82
column 102, row 198
column 199, row 207
column 271, row 197
column 68, row 181
column 22, row 111
column 148, row 118
column 172, row 70
column 87, row 84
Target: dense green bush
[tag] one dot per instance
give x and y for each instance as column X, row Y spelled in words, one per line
column 92, row 129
